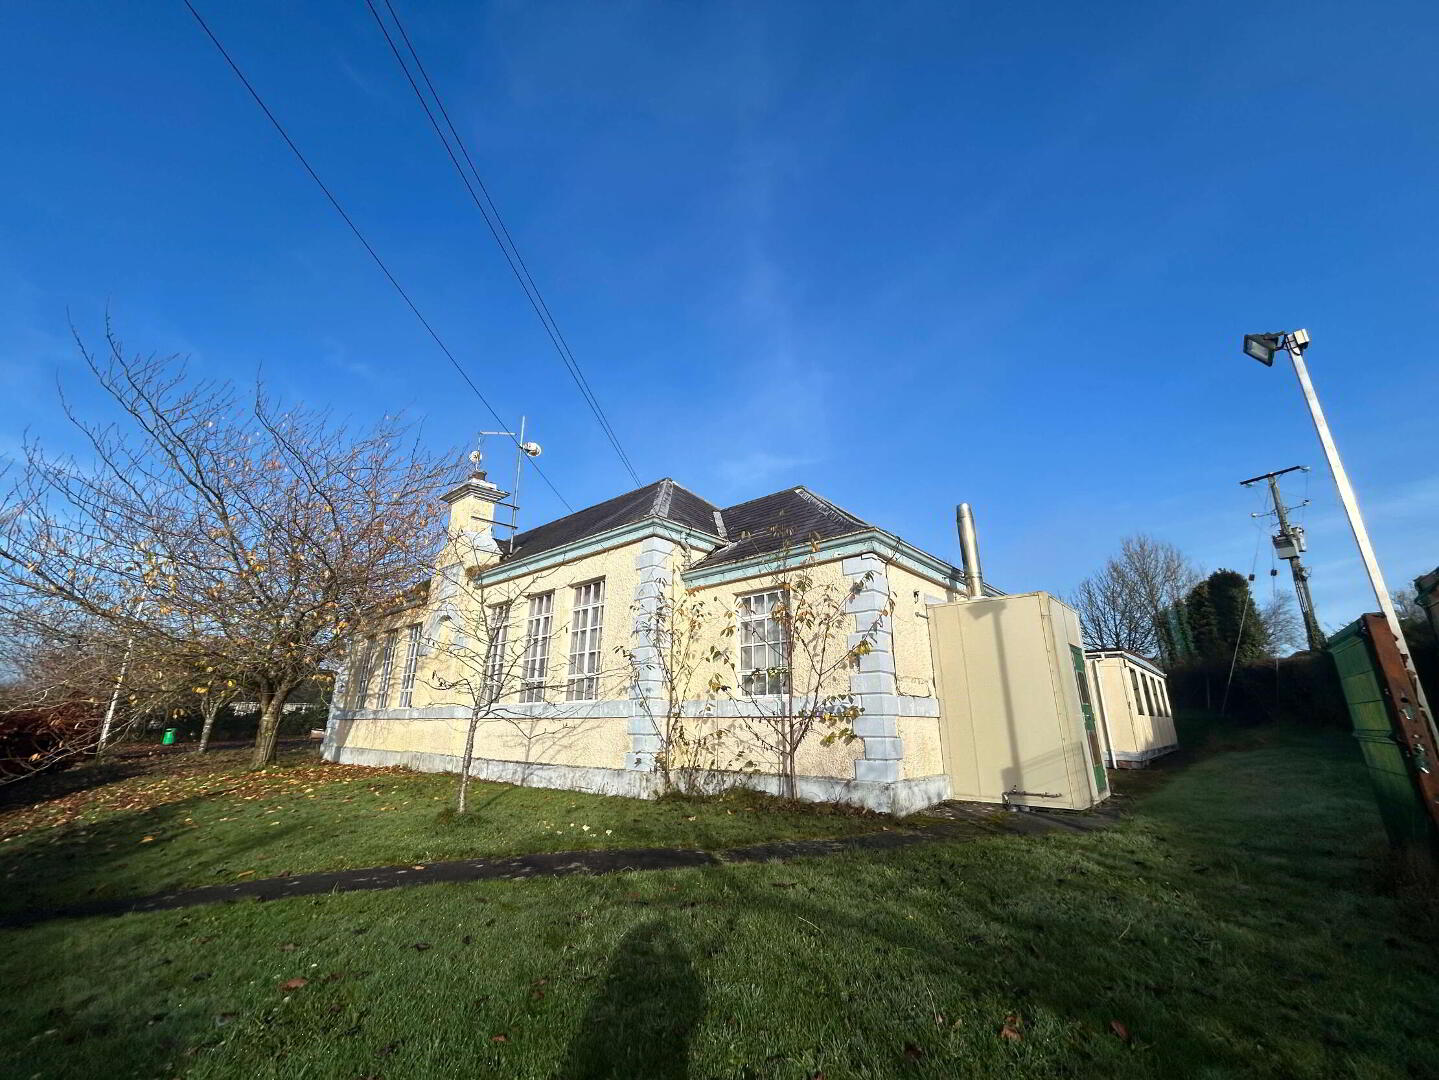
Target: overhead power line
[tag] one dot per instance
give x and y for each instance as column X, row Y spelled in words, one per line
column 360, row 236
column 480, row 194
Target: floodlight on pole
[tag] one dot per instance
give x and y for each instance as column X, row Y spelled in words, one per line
column 1263, row 346
column 1294, row 342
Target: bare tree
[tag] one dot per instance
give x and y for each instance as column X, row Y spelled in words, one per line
column 490, row 636
column 1283, row 629
column 678, row 667
column 811, row 667
column 783, row 667
column 59, row 676
column 219, row 533
column 1122, row 606
column 492, row 658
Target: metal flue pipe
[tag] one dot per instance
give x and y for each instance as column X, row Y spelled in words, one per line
column 969, row 549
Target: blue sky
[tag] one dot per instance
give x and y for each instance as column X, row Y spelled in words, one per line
column 904, row 254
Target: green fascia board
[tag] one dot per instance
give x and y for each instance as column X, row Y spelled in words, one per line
column 643, row 529
column 866, row 542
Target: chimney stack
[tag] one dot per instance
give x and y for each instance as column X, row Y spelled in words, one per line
column 969, row 548
column 472, row 516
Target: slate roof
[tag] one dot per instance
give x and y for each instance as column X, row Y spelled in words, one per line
column 788, row 518
column 662, row 499
column 791, row 517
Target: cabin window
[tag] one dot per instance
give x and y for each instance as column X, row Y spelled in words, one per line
column 763, row 643
column 1138, row 694
column 1149, row 696
column 412, row 659
column 537, row 646
column 586, row 628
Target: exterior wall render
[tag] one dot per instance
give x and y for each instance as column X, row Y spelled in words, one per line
column 893, row 765
column 914, row 660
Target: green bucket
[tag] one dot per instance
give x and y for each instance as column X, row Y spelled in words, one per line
column 169, row 739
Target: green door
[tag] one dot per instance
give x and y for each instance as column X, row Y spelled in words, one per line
column 1096, row 755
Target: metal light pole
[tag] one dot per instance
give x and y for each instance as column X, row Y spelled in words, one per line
column 1294, row 343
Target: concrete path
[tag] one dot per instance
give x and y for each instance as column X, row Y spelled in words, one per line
column 972, row 822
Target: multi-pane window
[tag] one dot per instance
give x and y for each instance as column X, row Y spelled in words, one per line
column 763, row 644
column 1149, row 696
column 496, row 658
column 364, row 664
column 1138, row 694
column 387, row 669
column 412, row 659
column 537, row 647
column 586, row 626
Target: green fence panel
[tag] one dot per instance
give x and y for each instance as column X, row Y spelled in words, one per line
column 1399, row 804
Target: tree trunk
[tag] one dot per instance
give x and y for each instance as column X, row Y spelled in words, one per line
column 785, row 758
column 271, row 709
column 212, row 709
column 465, row 760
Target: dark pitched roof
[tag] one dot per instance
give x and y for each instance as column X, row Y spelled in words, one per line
column 789, row 518
column 662, row 499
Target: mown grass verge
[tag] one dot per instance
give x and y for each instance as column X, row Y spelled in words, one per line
column 181, row 821
column 1232, row 926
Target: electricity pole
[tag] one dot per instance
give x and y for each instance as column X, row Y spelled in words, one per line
column 1289, row 544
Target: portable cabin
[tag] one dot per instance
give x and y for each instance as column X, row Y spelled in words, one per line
column 1132, row 696
column 1017, row 723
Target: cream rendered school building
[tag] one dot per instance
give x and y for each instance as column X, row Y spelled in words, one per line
column 579, row 587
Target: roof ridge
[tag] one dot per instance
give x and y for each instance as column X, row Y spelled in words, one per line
column 664, row 497
column 826, row 504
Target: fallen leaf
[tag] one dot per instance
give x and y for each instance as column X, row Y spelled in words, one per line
column 420, row 946
column 499, row 1038
column 147, row 840
column 289, row 946
column 912, row 1052
column 1119, row 1029
column 1012, row 1024
column 294, row 984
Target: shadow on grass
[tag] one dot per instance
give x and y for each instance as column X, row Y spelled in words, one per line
column 121, row 856
column 56, row 784
column 641, row 1018
column 1089, row 933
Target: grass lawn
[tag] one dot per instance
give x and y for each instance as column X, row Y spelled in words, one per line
column 156, row 821
column 1235, row 925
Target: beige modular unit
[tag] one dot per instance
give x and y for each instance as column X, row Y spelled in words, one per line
column 1017, row 723
column 1133, row 700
